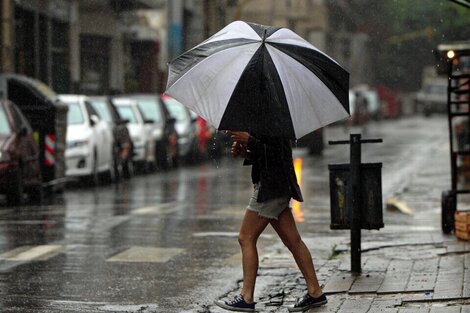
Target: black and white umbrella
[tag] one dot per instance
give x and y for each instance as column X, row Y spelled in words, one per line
column 261, row 79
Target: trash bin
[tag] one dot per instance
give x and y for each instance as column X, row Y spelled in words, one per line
column 48, row 119
column 370, row 196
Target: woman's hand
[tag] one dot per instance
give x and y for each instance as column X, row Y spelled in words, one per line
column 240, row 137
column 238, row 150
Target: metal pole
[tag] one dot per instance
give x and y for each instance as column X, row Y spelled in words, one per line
column 37, row 47
column 355, row 202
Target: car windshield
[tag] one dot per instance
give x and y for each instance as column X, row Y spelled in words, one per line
column 4, row 125
column 75, row 114
column 127, row 113
column 101, row 108
column 437, row 89
column 177, row 110
column 149, row 109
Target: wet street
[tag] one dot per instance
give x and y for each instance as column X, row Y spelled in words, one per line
column 167, row 242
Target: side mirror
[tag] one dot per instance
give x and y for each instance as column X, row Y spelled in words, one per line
column 94, row 120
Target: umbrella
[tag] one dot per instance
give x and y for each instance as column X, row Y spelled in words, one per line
column 261, row 79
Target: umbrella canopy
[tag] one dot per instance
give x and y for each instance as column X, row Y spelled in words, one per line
column 261, row 79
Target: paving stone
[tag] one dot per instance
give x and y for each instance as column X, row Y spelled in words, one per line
column 449, row 284
column 367, row 283
column 376, row 264
column 455, row 309
column 421, row 282
column 466, row 283
column 465, row 309
column 340, row 282
column 356, row 305
column 413, row 310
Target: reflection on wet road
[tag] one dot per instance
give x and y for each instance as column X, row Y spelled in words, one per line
column 161, row 241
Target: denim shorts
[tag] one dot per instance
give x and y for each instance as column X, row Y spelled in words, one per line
column 270, row 209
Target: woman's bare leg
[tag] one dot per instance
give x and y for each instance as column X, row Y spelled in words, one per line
column 250, row 230
column 287, row 231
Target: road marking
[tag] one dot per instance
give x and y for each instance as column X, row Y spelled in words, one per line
column 28, row 253
column 237, row 210
column 226, row 234
column 163, row 208
column 146, row 254
column 129, row 308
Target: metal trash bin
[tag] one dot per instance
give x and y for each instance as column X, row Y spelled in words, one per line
column 48, row 119
column 371, row 196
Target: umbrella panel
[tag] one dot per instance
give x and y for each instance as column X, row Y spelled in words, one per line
column 258, row 104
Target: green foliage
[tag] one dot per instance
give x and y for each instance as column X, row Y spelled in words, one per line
column 405, row 33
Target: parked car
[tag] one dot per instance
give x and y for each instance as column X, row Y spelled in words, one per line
column 19, row 156
column 432, row 98
column 185, row 127
column 89, row 141
column 122, row 142
column 139, row 130
column 163, row 133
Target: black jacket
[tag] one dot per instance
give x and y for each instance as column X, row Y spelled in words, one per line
column 273, row 168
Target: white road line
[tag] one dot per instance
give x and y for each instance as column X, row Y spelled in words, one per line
column 146, row 254
column 28, row 253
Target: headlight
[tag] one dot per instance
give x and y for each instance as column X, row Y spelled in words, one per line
column 157, row 133
column 4, row 156
column 77, row 143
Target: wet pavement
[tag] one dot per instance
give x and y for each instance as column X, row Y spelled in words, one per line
column 166, row 242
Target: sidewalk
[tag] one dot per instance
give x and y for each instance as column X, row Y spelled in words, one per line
column 409, row 266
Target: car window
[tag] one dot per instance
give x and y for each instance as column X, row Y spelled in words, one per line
column 20, row 119
column 4, row 124
column 75, row 114
column 177, row 110
column 149, row 109
column 101, row 107
column 127, row 113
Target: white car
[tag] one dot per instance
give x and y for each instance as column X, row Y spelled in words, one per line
column 140, row 130
column 89, row 141
column 185, row 127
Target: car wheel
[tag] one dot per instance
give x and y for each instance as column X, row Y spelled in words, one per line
column 118, row 168
column 16, row 190
column 161, row 156
column 36, row 194
column 95, row 177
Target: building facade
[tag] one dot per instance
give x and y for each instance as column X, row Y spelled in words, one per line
column 84, row 46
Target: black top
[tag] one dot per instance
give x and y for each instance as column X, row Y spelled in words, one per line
column 273, row 168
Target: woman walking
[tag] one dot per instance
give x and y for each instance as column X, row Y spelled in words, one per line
column 275, row 183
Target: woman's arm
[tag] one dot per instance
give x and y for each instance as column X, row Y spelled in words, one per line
column 255, row 147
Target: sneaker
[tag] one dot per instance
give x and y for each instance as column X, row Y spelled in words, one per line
column 237, row 304
column 308, row 302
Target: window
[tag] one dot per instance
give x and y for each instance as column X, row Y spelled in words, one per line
column 75, row 114
column 101, row 108
column 177, row 110
column 4, row 124
column 149, row 109
column 127, row 113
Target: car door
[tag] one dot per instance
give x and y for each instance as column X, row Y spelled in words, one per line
column 102, row 139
